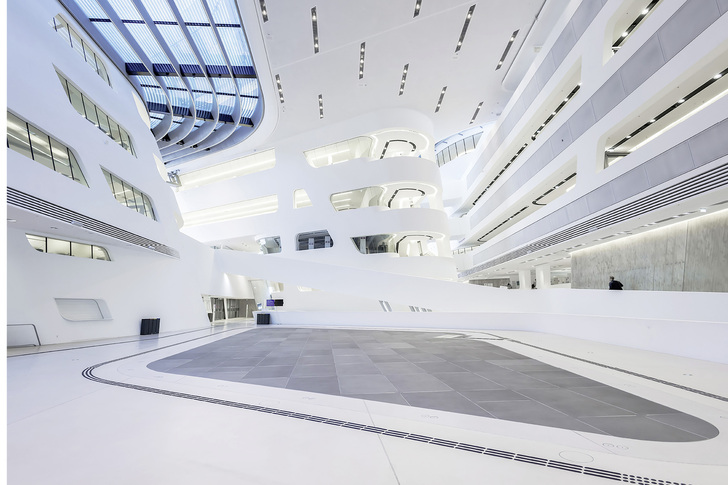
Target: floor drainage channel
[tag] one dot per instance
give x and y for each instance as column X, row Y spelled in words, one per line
column 497, row 453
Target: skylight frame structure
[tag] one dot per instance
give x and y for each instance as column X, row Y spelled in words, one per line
column 188, row 59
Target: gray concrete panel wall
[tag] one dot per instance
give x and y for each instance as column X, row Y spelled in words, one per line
column 687, row 256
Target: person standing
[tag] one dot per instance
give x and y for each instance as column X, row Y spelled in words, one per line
column 614, row 284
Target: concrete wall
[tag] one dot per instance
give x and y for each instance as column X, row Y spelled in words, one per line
column 687, row 256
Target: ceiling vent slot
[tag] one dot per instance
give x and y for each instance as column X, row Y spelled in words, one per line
column 48, row 209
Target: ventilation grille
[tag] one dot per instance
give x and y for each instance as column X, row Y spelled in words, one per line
column 45, row 208
column 699, row 184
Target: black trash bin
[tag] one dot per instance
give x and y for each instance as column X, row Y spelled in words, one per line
column 149, row 326
column 262, row 319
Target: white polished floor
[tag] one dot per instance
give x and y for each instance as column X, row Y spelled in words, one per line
column 124, row 423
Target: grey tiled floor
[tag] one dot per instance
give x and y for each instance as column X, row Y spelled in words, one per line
column 443, row 371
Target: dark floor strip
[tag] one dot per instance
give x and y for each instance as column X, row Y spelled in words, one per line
column 525, row 459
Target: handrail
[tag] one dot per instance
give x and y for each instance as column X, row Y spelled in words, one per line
column 459, row 147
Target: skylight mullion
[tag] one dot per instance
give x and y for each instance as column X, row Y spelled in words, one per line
column 225, row 12
column 235, row 45
column 192, row 11
column 125, row 9
column 175, row 39
column 148, row 43
column 92, row 9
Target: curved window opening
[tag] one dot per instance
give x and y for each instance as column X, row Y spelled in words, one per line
column 270, row 245
column 359, row 147
column 128, row 195
column 96, row 115
column 74, row 40
column 314, row 240
column 239, row 167
column 358, row 198
column 67, row 248
column 33, row 143
column 403, row 245
column 301, row 199
column 631, row 18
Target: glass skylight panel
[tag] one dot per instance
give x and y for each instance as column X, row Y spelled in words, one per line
column 203, row 101
column 248, row 105
column 223, row 85
column 233, row 41
column 148, row 43
column 192, row 11
column 226, row 103
column 175, row 39
column 153, row 122
column 125, row 9
column 159, row 10
column 206, row 42
column 117, row 41
column 247, row 87
column 224, row 12
column 178, row 119
column 92, row 9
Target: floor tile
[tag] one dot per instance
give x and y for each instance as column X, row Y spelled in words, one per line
column 494, row 395
column 687, row 423
column 465, row 381
column 356, row 369
column 573, row 404
column 444, row 401
column 271, row 371
column 314, row 370
column 367, row 384
column 324, row 385
column 399, row 368
column 418, row 383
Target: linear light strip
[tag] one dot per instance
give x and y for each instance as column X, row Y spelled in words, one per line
column 475, row 115
column 622, row 38
column 361, row 60
column 418, row 5
column 314, row 24
column 465, row 28
column 533, row 137
column 508, row 47
column 439, row 101
column 668, row 110
column 263, row 10
column 280, row 88
column 404, row 79
column 321, row 106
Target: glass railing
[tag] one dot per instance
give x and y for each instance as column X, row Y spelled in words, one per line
column 459, row 148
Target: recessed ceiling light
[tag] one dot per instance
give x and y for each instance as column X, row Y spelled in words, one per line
column 314, row 24
column 717, row 76
column 263, row 10
column 465, row 28
column 12, row 220
column 477, row 110
column 361, row 60
column 418, row 4
column 505, row 51
column 280, row 88
column 404, row 79
column 321, row 106
column 439, row 101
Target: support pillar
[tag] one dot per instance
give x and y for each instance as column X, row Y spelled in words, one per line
column 543, row 276
column 524, row 277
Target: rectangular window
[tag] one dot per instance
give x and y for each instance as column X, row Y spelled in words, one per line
column 129, row 194
column 139, row 202
column 60, row 159
column 114, row 127
column 74, row 95
column 148, row 206
column 40, row 146
column 18, row 136
column 58, row 246
column 33, row 143
column 104, row 122
column 80, row 250
column 90, row 110
column 77, row 44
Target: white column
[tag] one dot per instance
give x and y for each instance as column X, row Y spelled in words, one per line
column 524, row 277
column 543, row 276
